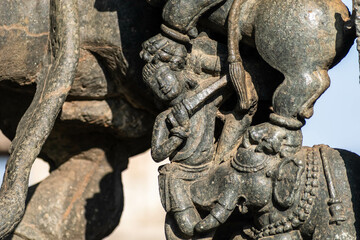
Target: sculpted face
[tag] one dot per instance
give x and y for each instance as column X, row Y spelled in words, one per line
column 166, row 85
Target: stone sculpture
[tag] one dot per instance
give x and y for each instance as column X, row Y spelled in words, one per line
column 255, row 163
column 228, row 116
column 106, row 118
column 188, row 141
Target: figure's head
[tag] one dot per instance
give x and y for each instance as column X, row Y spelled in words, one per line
column 166, row 83
column 163, row 81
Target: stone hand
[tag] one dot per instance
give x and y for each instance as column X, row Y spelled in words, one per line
column 180, row 132
column 180, row 114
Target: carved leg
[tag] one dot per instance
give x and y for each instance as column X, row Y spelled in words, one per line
column 184, row 14
column 184, row 212
column 293, row 101
column 296, row 96
column 187, row 220
column 82, row 199
column 227, row 201
column 172, row 231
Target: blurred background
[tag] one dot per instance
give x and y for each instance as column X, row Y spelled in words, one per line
column 336, row 122
column 143, row 216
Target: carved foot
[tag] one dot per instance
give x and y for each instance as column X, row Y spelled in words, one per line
column 187, row 220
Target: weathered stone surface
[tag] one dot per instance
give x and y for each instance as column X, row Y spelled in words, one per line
column 87, row 204
column 28, row 35
column 230, row 123
column 53, row 84
column 115, row 116
column 117, row 121
column 352, row 164
column 245, row 162
column 90, row 80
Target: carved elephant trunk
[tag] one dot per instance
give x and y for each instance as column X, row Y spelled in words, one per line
column 53, row 85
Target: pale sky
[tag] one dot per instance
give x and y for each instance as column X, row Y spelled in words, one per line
column 336, row 120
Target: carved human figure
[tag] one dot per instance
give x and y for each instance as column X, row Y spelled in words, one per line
column 187, row 139
column 296, row 51
column 289, row 41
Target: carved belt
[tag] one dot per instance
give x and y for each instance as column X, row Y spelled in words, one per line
column 176, row 170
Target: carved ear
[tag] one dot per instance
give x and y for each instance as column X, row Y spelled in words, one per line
column 287, row 181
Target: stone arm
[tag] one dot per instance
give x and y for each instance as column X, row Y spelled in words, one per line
column 165, row 142
column 193, row 103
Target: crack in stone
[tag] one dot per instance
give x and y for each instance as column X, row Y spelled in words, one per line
column 24, row 29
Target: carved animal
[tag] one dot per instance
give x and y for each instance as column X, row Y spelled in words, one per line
column 277, row 196
column 187, row 140
column 76, row 53
column 71, row 50
column 301, row 42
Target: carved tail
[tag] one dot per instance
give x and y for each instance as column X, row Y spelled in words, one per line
column 35, row 126
column 243, row 85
